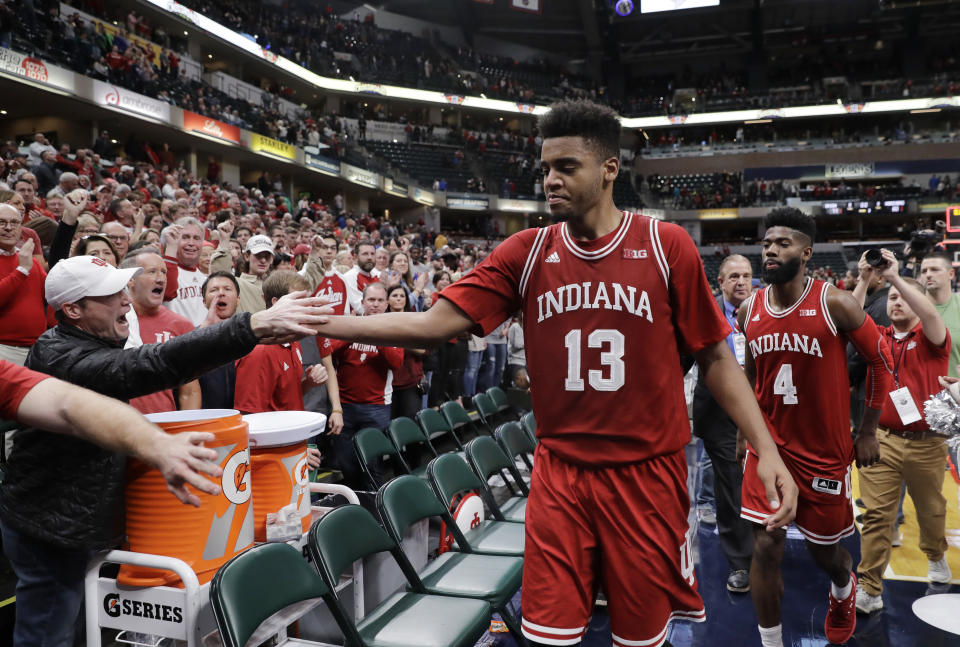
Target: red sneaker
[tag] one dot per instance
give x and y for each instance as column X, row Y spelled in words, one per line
column 842, row 615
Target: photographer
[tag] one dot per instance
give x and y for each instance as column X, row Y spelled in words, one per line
column 909, row 452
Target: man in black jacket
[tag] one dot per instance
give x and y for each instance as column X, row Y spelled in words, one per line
column 62, row 497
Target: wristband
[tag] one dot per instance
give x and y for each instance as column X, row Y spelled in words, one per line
column 25, row 270
column 340, row 411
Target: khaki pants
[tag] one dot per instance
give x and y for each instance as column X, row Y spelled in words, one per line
column 920, row 464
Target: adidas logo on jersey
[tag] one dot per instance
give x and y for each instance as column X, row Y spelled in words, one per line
column 553, row 258
column 756, row 317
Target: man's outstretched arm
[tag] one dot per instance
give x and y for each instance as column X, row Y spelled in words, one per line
column 54, row 405
column 406, row 329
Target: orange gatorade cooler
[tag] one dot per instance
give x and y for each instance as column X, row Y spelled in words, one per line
column 278, row 459
column 205, row 537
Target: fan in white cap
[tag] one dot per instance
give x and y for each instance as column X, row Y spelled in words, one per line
column 84, row 276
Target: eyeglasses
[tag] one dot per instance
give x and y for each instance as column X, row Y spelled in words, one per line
column 10, row 224
column 333, row 247
column 118, row 237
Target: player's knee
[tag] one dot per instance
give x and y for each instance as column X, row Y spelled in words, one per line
column 768, row 548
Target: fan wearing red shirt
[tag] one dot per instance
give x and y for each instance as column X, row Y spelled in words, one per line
column 797, row 329
column 608, row 298
column 909, row 452
column 157, row 325
column 271, row 378
column 23, row 315
column 320, row 272
column 365, row 376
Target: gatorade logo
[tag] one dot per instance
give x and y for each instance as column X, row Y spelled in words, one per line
column 301, row 476
column 115, row 607
column 235, row 481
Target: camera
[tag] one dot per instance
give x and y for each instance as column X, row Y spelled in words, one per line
column 875, row 259
column 623, row 7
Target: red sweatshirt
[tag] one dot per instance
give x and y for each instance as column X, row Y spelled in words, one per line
column 23, row 315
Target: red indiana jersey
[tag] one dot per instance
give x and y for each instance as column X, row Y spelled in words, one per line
column 270, row 379
column 802, row 384
column 364, row 372
column 335, row 290
column 605, row 322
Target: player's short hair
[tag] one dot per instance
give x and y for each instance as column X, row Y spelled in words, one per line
column 941, row 255
column 794, row 219
column 219, row 275
column 596, row 124
column 282, row 282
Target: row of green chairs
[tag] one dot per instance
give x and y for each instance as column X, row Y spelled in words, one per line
column 447, row 604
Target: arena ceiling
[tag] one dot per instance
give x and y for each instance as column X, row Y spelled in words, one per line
column 575, row 29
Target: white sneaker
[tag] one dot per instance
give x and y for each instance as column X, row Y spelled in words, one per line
column 867, row 603
column 897, row 538
column 939, row 572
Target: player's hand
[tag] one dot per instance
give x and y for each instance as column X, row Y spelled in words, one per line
column 291, row 318
column 25, row 255
column 781, row 490
column 183, row 460
column 868, row 449
column 336, row 423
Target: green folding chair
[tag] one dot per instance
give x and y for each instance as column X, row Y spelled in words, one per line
column 434, row 425
column 529, row 424
column 406, row 500
column 504, row 410
column 349, row 533
column 450, row 475
column 487, row 459
column 515, row 442
column 280, row 577
column 458, row 419
column 487, row 411
column 372, row 445
column 405, row 434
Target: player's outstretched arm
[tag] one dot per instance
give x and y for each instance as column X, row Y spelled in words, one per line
column 405, row 329
column 851, row 320
column 730, row 389
column 61, row 407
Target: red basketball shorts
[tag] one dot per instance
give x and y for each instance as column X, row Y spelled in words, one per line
column 824, row 510
column 624, row 528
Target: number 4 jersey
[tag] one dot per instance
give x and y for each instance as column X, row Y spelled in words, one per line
column 802, row 384
column 604, row 322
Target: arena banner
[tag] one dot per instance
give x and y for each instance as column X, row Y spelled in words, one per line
column 211, row 127
column 360, row 175
column 849, row 170
column 33, row 69
column 468, row 201
column 393, row 187
column 718, row 214
column 523, row 206
column 261, row 144
column 118, row 98
column 423, row 196
column 322, row 164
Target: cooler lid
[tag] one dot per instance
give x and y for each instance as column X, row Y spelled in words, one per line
column 276, row 428
column 190, row 415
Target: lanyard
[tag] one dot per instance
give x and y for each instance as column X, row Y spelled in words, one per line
column 899, row 358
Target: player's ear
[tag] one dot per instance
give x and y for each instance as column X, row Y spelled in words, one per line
column 611, row 169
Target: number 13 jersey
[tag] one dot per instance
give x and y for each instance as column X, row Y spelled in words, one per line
column 604, row 323
column 802, row 384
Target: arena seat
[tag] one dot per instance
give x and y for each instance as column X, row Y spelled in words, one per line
column 487, row 459
column 450, row 475
column 405, row 501
column 487, row 411
column 405, row 434
column 516, row 442
column 499, row 398
column 371, row 444
column 457, row 418
column 529, row 425
column 435, row 425
column 281, row 578
column 349, row 533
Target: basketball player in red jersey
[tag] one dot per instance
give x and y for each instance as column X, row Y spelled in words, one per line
column 609, row 300
column 797, row 330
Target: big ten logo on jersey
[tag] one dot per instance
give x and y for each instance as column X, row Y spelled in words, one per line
column 587, row 296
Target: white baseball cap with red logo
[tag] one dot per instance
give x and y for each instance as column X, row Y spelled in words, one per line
column 84, row 276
